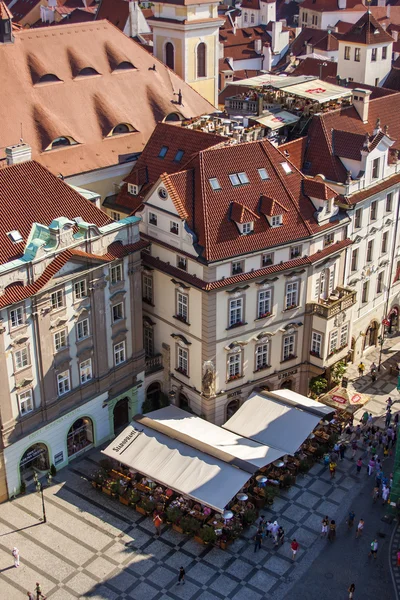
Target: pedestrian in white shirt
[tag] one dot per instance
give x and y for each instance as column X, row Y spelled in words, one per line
column 15, row 553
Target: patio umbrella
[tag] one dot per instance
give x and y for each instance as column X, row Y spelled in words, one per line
column 344, row 399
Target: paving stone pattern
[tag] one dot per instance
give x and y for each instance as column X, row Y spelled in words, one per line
column 95, row 547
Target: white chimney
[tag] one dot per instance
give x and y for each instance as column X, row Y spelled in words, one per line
column 342, row 4
column 133, row 18
column 361, row 103
column 18, row 154
column 276, row 33
column 381, row 2
column 258, row 46
column 395, row 35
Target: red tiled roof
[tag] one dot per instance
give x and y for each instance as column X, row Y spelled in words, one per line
column 241, row 214
column 367, row 31
column 156, row 263
column 40, row 197
column 251, row 4
column 239, row 43
column 17, row 293
column 393, row 79
column 367, row 192
column 316, row 188
column 313, row 66
column 295, row 150
column 271, row 207
column 343, row 26
column 115, row 11
column 347, row 144
column 313, row 37
column 5, row 12
column 329, row 5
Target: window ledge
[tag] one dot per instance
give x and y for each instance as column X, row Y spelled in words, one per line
column 266, row 316
column 237, row 378
column 289, row 358
column 182, row 373
column 291, row 308
column 315, row 354
column 147, row 301
column 337, row 350
column 262, row 369
column 241, row 324
column 181, row 320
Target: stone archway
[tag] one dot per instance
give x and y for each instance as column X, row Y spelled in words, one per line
column 371, row 335
column 34, row 460
column 231, row 408
column 80, row 436
column 393, row 318
column 121, row 413
column 287, row 385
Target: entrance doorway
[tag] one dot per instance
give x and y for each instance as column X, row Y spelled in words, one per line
column 287, row 385
column 371, row 336
column 231, row 408
column 153, row 397
column 121, row 413
column 183, row 402
column 34, row 460
column 80, row 436
column 393, row 319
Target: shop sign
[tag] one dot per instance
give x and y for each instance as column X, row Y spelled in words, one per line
column 233, row 394
column 287, row 374
column 58, row 458
column 32, row 454
column 386, row 322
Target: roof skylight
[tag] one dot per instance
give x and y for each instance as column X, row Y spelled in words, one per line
column 263, row 174
column 179, row 156
column 15, row 236
column 215, row 184
column 163, row 152
column 287, row 168
column 238, row 178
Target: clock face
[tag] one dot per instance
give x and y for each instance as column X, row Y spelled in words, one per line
column 162, row 192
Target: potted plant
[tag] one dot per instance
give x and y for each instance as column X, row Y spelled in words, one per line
column 224, row 541
column 288, row 481
column 249, row 516
column 304, row 467
column 173, row 514
column 106, row 486
column 97, row 479
column 270, row 493
column 115, row 489
column 134, row 497
column 189, row 525
column 145, row 506
column 207, row 535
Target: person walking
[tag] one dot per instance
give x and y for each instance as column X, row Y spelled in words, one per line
column 371, row 466
column 360, row 528
column 374, row 549
column 181, row 576
column 294, row 547
column 324, row 526
column 274, row 531
column 268, row 529
column 332, row 531
column 388, row 418
column 373, row 372
column 258, row 540
column 370, row 419
column 38, row 591
column 350, row 519
column 359, row 465
column 15, row 553
column 30, row 596
column 332, row 469
column 375, row 494
column 354, row 447
column 361, row 369
column 351, row 590
column 342, row 450
column 157, row 523
column 281, row 536
column 385, row 494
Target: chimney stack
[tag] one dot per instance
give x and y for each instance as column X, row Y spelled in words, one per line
column 18, row 154
column 361, row 103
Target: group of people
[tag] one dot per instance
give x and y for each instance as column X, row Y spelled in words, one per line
column 267, row 529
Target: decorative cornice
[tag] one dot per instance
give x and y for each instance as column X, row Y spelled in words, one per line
column 268, row 280
column 148, row 321
column 180, row 284
column 292, row 273
column 178, row 336
column 237, row 289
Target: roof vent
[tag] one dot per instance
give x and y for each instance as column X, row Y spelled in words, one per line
column 15, row 236
column 19, row 153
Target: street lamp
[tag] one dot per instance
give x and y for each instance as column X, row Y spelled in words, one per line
column 39, row 489
column 381, row 340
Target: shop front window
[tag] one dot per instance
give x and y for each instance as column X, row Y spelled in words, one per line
column 34, row 460
column 80, row 436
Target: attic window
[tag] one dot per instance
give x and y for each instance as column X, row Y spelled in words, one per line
column 49, row 78
column 238, row 179
column 87, row 72
column 133, row 189
column 246, row 228
column 287, row 168
column 179, row 156
column 125, row 65
column 276, row 221
column 122, row 128
column 61, row 141
column 163, row 152
column 263, row 174
column 15, row 236
column 215, row 183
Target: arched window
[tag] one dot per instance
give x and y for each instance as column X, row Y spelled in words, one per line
column 49, row 78
column 80, row 435
column 125, row 66
column 252, row 18
column 172, row 117
column 87, row 72
column 201, row 60
column 232, row 407
column 170, row 55
column 245, row 17
column 120, row 128
column 61, row 141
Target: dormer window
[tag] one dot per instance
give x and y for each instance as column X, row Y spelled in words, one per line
column 287, row 168
column 215, row 184
column 133, row 189
column 122, row 128
column 125, row 66
column 163, row 152
column 246, row 228
column 276, row 221
column 60, row 142
column 49, row 78
column 87, row 72
column 375, row 168
column 263, row 174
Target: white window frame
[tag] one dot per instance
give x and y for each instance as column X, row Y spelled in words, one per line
column 316, row 343
column 276, row 221
column 148, row 340
column 235, row 311
column 25, row 398
column 57, row 299
column 215, row 184
column 116, row 216
column 63, row 383
column 287, row 168
column 292, row 294
column 295, row 251
column 264, row 303
column 333, row 341
column 82, row 325
column 182, row 360
column 344, row 335
column 182, row 262
column 119, row 353
column 263, row 173
column 60, row 339
column 289, row 346
column 80, row 289
column 85, row 371
column 182, row 306
column 174, row 227
column 148, row 288
column 21, row 358
column 262, row 356
column 234, row 365
column 16, row 317
column 153, row 219
column 116, row 273
column 240, row 263
column 247, row 228
column 120, row 309
column 267, row 256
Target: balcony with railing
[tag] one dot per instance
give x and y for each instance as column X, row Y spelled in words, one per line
column 154, row 363
column 342, row 299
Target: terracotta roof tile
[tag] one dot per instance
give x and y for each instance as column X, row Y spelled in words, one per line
column 271, row 207
column 40, row 198
column 295, row 150
column 328, row 5
column 367, row 30
column 368, row 192
column 314, row 66
column 313, row 37
column 239, row 43
column 315, row 188
column 5, row 12
column 115, row 11
column 241, row 214
column 347, row 144
column 140, row 96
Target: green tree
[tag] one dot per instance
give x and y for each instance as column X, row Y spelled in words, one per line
column 318, row 386
column 338, row 370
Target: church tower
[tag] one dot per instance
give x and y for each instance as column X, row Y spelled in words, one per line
column 186, row 39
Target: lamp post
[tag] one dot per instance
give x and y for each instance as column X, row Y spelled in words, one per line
column 381, row 340
column 39, row 488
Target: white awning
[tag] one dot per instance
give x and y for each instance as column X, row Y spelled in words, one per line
column 317, row 90
column 274, row 422
column 230, row 447
column 303, row 401
column 178, row 466
column 276, row 120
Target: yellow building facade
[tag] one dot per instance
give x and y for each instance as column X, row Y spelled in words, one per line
column 185, row 38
